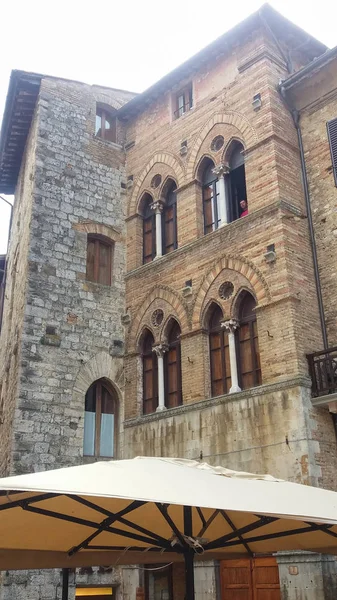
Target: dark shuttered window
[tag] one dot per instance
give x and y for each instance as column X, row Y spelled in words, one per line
column 99, row 260
column 99, row 420
column 248, row 345
column 332, row 136
column 150, row 375
column 172, row 358
column 149, row 230
column 169, row 219
column 219, row 354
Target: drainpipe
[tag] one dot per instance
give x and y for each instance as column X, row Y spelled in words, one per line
column 296, row 119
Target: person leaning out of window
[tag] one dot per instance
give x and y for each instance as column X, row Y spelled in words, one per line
column 244, row 208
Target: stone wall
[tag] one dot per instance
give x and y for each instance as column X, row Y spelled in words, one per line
column 70, row 185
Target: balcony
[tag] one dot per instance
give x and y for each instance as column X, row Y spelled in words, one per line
column 323, row 372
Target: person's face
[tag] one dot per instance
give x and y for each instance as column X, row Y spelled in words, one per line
column 243, row 204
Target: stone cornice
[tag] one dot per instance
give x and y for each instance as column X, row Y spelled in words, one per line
column 261, row 390
column 261, row 54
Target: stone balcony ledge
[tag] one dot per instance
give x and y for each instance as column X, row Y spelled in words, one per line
column 268, row 388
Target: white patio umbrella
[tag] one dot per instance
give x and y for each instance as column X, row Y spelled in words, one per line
column 157, row 510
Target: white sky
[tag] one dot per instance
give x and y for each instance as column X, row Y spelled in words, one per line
column 127, row 44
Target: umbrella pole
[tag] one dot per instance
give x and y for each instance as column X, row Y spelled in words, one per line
column 65, row 584
column 188, row 556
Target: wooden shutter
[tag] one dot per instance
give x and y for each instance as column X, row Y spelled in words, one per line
column 216, row 364
column 332, row 137
column 91, row 260
column 104, row 264
column 170, row 229
column 208, row 208
column 148, row 239
column 110, row 128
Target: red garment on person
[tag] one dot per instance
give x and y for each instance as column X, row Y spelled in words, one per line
column 244, row 213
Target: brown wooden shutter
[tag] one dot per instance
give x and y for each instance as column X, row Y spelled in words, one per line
column 91, row 260
column 332, row 136
column 104, row 264
column 110, row 132
column 148, row 239
column 208, row 213
column 169, row 231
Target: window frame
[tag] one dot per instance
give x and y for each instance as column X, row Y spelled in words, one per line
column 212, row 333
column 213, row 202
column 170, row 202
column 332, row 138
column 106, row 115
column 254, row 350
column 98, row 242
column 154, row 376
column 173, row 345
column 99, row 384
column 186, row 93
column 149, row 216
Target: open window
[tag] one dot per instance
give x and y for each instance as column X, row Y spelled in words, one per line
column 150, row 374
column 183, row 101
column 236, row 182
column 99, row 259
column 249, row 366
column 172, row 367
column 169, row 218
column 105, row 125
column 100, row 420
column 149, row 229
column 219, row 353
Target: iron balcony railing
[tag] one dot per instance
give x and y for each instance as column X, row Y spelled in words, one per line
column 323, row 371
column 184, row 108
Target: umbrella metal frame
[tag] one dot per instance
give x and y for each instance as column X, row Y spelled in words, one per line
column 184, row 543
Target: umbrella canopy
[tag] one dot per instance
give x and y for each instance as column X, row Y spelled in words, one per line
column 157, row 510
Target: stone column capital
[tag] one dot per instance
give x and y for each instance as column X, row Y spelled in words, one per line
column 157, row 206
column 160, row 350
column 221, row 169
column 231, row 325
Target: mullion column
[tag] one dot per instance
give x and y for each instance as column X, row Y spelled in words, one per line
column 231, row 326
column 158, row 208
column 220, row 171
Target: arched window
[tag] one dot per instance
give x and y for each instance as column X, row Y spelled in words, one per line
column 149, row 230
column 99, row 260
column 169, row 219
column 236, row 182
column 172, row 368
column 210, row 196
column 219, row 353
column 100, row 420
column 150, row 375
column 105, row 125
column 248, row 346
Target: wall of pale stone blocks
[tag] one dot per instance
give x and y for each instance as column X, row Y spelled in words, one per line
column 15, row 300
column 269, row 429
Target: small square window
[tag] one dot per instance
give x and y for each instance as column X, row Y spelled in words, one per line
column 183, row 101
column 105, row 124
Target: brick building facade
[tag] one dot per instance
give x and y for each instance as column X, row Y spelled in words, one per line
column 138, row 292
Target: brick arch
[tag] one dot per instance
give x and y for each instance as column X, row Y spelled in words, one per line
column 164, row 158
column 205, row 311
column 241, row 123
column 101, row 365
column 166, row 325
column 95, row 228
column 170, row 296
column 236, row 263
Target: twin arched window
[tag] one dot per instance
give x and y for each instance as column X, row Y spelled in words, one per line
column 222, row 199
column 246, row 348
column 171, row 357
column 100, row 418
column 167, row 210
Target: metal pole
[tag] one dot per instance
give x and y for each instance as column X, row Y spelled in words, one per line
column 188, row 556
column 65, row 584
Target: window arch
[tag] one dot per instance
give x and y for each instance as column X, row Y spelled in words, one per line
column 219, row 353
column 150, row 374
column 172, row 367
column 248, row 346
column 100, row 420
column 105, row 124
column 149, row 229
column 210, row 197
column 169, row 218
column 99, row 259
column 236, row 182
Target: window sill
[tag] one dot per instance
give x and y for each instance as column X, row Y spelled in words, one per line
column 260, row 390
column 184, row 115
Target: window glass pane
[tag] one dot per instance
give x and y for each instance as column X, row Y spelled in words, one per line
column 107, row 435
column 89, row 433
column 98, row 125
